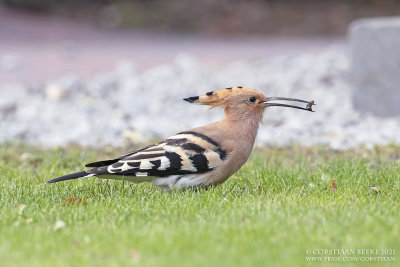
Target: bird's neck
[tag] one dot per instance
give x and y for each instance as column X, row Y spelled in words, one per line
column 243, row 125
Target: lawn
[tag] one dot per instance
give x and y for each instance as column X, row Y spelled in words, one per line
column 284, row 205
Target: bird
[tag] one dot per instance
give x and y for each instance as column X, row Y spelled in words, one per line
column 201, row 157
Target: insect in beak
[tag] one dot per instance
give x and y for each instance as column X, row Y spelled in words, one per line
column 308, row 106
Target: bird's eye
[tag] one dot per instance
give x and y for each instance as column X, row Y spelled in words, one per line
column 252, row 99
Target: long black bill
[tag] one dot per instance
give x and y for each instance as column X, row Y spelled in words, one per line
column 308, row 106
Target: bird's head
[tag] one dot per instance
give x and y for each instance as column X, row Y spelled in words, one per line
column 243, row 101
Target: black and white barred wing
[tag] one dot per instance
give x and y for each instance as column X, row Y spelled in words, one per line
column 184, row 153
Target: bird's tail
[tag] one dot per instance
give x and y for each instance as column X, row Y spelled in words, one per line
column 71, row 176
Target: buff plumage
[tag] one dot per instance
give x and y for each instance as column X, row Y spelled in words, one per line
column 200, row 157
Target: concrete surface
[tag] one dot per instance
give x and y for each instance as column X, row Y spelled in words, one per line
column 375, row 49
column 34, row 49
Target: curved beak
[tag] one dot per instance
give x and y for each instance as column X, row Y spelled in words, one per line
column 308, row 107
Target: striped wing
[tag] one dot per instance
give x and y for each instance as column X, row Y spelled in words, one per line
column 184, row 153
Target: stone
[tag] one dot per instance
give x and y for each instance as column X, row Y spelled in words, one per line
column 375, row 56
column 123, row 105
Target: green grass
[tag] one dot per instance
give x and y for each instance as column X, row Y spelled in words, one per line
column 279, row 205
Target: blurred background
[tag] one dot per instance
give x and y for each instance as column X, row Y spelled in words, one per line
column 111, row 72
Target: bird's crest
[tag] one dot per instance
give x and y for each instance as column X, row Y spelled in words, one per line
column 218, row 97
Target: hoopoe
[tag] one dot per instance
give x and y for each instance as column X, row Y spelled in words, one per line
column 200, row 157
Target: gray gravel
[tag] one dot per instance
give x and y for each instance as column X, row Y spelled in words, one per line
column 125, row 104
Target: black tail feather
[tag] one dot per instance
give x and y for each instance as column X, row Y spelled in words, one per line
column 71, row 176
column 102, row 163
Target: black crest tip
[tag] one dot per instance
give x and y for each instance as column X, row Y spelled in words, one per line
column 191, row 99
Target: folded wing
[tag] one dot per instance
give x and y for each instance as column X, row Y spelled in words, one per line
column 184, row 153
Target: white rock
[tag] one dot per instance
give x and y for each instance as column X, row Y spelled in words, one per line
column 54, row 92
column 106, row 108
